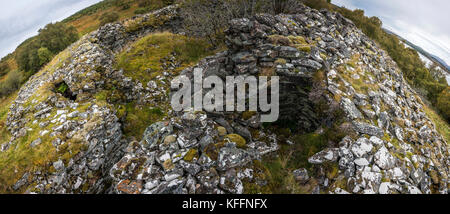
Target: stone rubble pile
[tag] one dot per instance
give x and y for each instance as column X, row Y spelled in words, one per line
column 395, row 148
column 188, row 154
column 85, row 131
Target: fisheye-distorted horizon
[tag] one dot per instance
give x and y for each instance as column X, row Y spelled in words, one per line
column 423, row 23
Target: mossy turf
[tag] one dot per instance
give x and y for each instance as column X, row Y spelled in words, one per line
column 441, row 125
column 146, row 60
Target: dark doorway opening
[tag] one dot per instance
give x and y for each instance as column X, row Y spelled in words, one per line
column 64, row 90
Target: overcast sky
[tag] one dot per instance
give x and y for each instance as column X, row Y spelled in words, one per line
column 425, row 23
column 21, row 19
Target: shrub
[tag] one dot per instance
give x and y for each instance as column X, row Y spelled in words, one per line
column 317, row 4
column 26, row 55
column 146, row 6
column 144, row 3
column 53, row 38
column 108, row 17
column 57, row 36
column 11, row 83
column 62, row 88
column 283, row 6
column 443, row 103
column 122, row 4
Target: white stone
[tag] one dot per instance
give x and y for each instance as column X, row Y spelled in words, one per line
column 397, row 173
column 44, row 132
column 151, row 184
column 58, row 112
column 384, row 188
column 340, row 191
column 164, row 157
column 371, row 177
column 368, row 191
column 384, row 159
column 361, row 162
column 361, row 147
column 170, row 177
column 375, row 169
column 376, row 141
column 72, row 114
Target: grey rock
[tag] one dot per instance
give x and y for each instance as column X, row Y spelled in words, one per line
column 361, row 147
column 350, row 109
column 384, row 159
column 301, row 175
column 230, row 156
column 326, row 155
column 58, row 165
column 365, row 128
column 35, row 143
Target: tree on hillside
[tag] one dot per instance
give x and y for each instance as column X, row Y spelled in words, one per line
column 44, row 55
column 56, row 37
column 26, row 56
column 443, row 103
column 37, row 51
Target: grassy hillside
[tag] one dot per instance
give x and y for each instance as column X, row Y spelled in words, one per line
column 27, row 59
column 144, row 61
column 88, row 19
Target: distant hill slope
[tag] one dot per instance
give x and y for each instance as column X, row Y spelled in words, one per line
column 441, row 63
column 85, row 21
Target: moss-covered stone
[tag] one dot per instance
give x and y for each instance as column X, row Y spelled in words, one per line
column 222, row 131
column 239, row 140
column 190, row 155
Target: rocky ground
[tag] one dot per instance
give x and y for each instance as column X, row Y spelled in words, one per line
column 390, row 145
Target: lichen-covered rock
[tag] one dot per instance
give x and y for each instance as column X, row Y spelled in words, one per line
column 350, row 108
column 327, row 155
column 179, row 166
column 384, row 159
